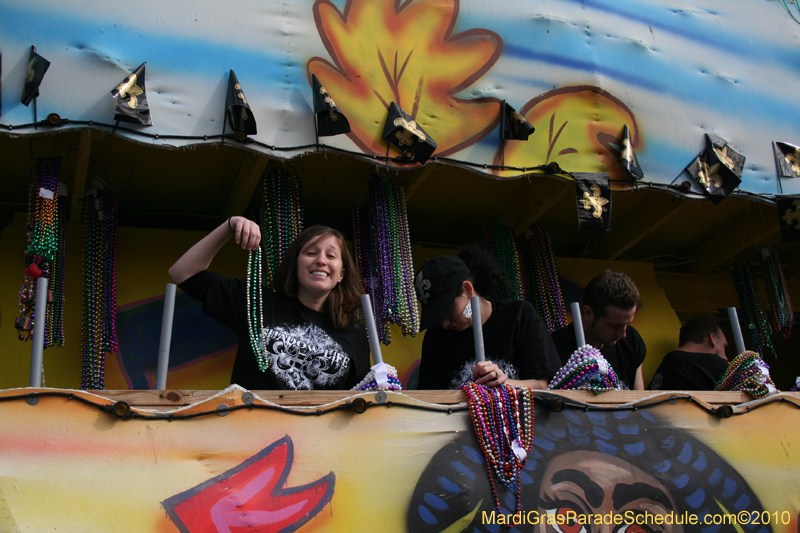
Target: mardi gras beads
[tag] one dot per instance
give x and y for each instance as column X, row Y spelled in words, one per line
column 539, row 267
column 45, row 254
column 586, row 369
column 749, row 373
column 780, row 301
column 282, row 217
column 749, row 296
column 502, row 418
column 255, row 309
column 370, row 382
column 499, row 242
column 383, row 258
column 99, row 284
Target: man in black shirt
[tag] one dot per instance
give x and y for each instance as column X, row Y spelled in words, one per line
column 698, row 363
column 609, row 305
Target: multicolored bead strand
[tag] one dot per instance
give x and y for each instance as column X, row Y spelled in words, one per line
column 98, row 317
column 383, row 258
column 108, row 204
column 749, row 373
column 282, row 217
column 370, row 383
column 502, row 418
column 44, row 255
column 538, row 265
column 586, row 369
column 499, row 241
column 752, row 309
column 780, row 301
column 54, row 330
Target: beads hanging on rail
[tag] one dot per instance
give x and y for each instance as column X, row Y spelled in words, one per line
column 45, row 254
column 502, row 418
column 538, row 265
column 99, row 313
column 498, row 239
column 383, row 257
column 780, row 301
column 281, row 217
column 755, row 319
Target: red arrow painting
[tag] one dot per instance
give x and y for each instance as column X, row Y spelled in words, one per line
column 251, row 497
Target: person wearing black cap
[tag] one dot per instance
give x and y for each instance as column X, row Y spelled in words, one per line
column 518, row 347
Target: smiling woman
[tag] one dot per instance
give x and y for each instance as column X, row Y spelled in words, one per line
column 309, row 337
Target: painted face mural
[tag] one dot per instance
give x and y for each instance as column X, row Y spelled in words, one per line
column 585, row 469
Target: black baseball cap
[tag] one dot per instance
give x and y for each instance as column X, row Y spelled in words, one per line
column 437, row 283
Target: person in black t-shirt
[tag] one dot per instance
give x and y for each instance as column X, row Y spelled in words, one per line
column 698, row 363
column 518, row 348
column 609, row 306
column 310, row 338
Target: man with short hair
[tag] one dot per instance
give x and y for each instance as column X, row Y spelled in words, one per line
column 698, row 363
column 609, row 305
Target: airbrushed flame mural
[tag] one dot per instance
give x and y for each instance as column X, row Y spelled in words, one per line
column 75, row 461
column 579, row 71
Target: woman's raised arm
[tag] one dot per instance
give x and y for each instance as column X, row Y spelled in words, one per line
column 199, row 257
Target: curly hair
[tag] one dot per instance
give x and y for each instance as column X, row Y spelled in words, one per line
column 485, row 274
column 610, row 288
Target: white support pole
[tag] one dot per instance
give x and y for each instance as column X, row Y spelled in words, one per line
column 477, row 329
column 37, row 350
column 737, row 330
column 166, row 336
column 372, row 329
column 577, row 323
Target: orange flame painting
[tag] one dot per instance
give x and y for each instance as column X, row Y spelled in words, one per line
column 578, row 127
column 384, row 51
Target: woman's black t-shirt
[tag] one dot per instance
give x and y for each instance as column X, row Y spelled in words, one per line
column 304, row 349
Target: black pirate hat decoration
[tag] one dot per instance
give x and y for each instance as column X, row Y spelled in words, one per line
column 330, row 120
column 404, row 133
column 789, row 217
column 130, row 99
column 237, row 110
column 627, row 158
column 512, row 125
column 593, row 195
column 37, row 66
column 717, row 169
column 787, row 160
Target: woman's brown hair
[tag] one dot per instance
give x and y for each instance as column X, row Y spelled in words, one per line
column 344, row 300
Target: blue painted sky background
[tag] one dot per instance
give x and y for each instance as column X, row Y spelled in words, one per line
column 731, row 69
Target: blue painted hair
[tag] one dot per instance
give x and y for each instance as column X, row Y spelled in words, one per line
column 700, row 481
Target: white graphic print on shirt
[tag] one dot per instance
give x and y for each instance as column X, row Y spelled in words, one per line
column 304, row 357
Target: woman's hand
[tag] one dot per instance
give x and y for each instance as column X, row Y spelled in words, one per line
column 246, row 232
column 488, row 374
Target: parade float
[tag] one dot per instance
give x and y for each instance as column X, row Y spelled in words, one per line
column 657, row 138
